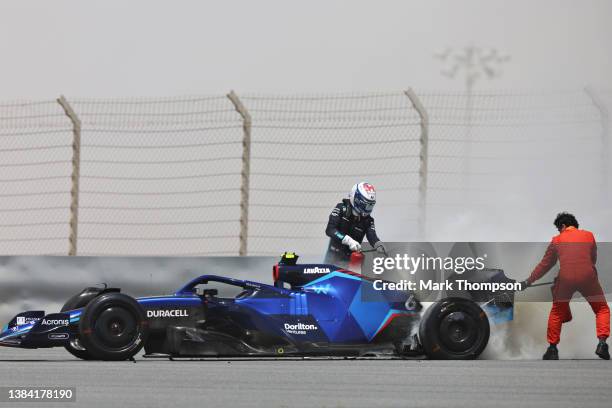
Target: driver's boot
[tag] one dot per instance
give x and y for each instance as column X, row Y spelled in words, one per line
column 602, row 350
column 551, row 353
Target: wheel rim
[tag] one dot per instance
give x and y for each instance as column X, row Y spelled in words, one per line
column 458, row 331
column 116, row 327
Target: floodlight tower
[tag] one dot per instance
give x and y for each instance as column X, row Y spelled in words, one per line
column 472, row 64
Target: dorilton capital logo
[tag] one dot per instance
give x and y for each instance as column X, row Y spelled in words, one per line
column 299, row 328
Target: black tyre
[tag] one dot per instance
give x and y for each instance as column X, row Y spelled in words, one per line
column 76, row 349
column 113, row 326
column 454, row 329
column 76, row 302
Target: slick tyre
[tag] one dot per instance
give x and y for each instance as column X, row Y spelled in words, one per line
column 454, row 329
column 113, row 327
column 75, row 347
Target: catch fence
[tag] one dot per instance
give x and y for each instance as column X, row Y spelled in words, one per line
column 258, row 174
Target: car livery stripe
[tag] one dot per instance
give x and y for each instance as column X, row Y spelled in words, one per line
column 175, row 301
column 331, row 275
column 392, row 314
column 25, row 329
column 298, row 304
column 75, row 316
column 170, row 299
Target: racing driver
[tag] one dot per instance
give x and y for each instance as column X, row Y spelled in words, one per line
column 576, row 251
column 349, row 222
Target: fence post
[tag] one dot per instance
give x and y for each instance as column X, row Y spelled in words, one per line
column 246, row 171
column 76, row 168
column 423, row 158
column 605, row 137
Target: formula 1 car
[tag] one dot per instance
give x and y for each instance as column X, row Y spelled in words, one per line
column 310, row 310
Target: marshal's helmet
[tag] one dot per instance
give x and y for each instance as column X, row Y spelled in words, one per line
column 363, row 198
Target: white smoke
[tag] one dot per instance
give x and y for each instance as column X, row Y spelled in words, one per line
column 524, row 338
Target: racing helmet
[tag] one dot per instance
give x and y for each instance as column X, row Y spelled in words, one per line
column 363, row 198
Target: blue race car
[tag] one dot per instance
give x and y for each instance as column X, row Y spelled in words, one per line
column 310, row 310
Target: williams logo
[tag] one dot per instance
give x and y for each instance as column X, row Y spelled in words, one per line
column 316, row 270
column 167, row 313
column 299, row 328
column 320, row 289
column 55, row 322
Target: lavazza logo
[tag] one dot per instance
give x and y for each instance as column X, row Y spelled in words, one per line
column 299, row 328
column 316, row 270
column 167, row 313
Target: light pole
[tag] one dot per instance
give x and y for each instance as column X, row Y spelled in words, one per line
column 473, row 63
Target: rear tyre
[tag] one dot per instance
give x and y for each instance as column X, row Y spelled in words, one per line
column 113, row 327
column 454, row 329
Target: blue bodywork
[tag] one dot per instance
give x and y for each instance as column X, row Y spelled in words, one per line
column 329, row 311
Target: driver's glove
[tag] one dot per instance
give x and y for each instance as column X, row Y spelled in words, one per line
column 380, row 248
column 351, row 243
column 525, row 284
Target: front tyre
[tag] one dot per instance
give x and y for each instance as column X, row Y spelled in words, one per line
column 113, row 327
column 75, row 347
column 454, row 329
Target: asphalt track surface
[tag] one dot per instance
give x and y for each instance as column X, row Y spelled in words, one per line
column 312, row 383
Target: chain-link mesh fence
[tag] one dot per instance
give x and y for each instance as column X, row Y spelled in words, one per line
column 159, row 176
column 35, row 165
column 167, row 176
column 307, row 152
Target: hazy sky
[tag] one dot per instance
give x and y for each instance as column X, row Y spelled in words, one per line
column 146, row 47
